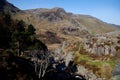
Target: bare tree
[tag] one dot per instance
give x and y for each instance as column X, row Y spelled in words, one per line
column 41, row 61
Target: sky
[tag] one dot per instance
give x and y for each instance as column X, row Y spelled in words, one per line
column 105, row 10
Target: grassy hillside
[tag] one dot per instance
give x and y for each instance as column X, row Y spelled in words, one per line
column 95, row 25
column 66, row 26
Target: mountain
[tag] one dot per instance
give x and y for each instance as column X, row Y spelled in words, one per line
column 92, row 24
column 62, row 25
column 5, row 6
column 87, row 40
column 116, row 25
column 53, row 26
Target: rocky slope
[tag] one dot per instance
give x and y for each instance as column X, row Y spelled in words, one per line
column 106, row 44
column 63, row 25
column 53, row 26
column 5, row 6
column 116, row 71
column 89, row 23
column 59, row 24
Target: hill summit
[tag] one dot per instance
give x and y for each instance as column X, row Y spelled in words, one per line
column 5, row 6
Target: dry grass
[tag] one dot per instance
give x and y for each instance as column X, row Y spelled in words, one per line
column 42, row 25
column 102, row 66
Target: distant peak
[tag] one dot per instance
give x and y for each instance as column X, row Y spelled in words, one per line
column 58, row 9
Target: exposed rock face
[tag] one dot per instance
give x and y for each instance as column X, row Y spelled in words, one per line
column 101, row 45
column 87, row 74
column 116, row 72
column 68, row 58
column 62, row 54
column 75, row 31
column 51, row 15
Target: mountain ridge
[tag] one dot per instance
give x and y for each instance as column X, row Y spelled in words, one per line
column 61, row 24
column 83, row 19
column 7, row 7
column 67, row 26
column 92, row 42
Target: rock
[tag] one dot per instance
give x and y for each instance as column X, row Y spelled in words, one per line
column 116, row 70
column 113, row 50
column 87, row 74
column 107, row 49
column 101, row 45
column 68, row 58
column 94, row 48
column 117, row 77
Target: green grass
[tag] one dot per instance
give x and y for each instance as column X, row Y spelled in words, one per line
column 84, row 57
column 95, row 64
column 98, row 63
column 111, row 63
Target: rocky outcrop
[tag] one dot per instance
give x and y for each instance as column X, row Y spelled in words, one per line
column 101, row 45
column 87, row 74
column 75, row 31
column 51, row 15
column 116, row 72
